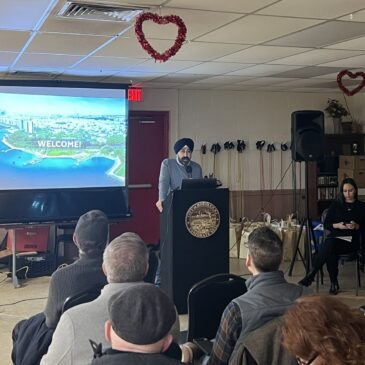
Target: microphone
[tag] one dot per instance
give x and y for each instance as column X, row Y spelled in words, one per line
column 189, row 170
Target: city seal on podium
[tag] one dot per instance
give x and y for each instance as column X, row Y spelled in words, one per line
column 202, row 219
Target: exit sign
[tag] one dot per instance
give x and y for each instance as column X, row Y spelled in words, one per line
column 135, row 94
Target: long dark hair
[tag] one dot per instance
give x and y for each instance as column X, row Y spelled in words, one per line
column 347, row 180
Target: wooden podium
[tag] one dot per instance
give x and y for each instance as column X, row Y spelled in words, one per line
column 194, row 242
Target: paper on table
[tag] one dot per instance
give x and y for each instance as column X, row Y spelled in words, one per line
column 345, row 238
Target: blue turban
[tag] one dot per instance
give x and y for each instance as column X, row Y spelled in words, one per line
column 184, row 142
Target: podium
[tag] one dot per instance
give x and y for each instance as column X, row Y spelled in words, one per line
column 194, row 243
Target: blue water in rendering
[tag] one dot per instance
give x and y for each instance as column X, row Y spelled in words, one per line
column 22, row 170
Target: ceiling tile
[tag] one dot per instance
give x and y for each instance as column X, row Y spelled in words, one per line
column 265, row 81
column 129, row 47
column 261, row 54
column 322, row 35
column 333, row 84
column 308, row 72
column 358, row 16
column 353, row 44
column 358, row 61
column 238, row 6
column 197, row 23
column 217, row 80
column 133, row 76
column 237, row 87
column 108, row 63
column 214, row 68
column 12, row 40
column 7, row 58
column 65, row 43
column 203, row 51
column 316, row 57
column 256, row 29
column 182, row 78
column 167, row 67
column 45, row 60
column 160, row 85
column 21, row 14
column 303, row 82
column 323, row 9
column 331, row 76
column 263, row 70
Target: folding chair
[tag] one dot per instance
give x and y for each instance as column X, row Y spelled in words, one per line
column 207, row 300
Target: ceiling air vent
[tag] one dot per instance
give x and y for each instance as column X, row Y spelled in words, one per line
column 89, row 11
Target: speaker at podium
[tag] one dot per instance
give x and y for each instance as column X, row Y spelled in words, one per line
column 194, row 233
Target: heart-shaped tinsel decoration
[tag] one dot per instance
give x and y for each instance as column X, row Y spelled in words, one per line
column 181, row 35
column 352, row 76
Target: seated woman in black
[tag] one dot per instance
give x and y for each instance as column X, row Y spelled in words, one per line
column 345, row 218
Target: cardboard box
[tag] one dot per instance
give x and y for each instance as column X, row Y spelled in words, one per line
column 357, row 175
column 352, row 162
column 29, row 239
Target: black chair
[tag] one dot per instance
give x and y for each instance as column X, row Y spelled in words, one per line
column 357, row 257
column 207, row 300
column 80, row 298
column 153, row 263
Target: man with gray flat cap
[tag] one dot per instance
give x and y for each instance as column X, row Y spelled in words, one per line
column 173, row 171
column 138, row 329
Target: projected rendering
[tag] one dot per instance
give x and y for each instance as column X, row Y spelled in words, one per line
column 58, row 141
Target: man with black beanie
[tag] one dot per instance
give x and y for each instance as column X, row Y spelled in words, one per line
column 173, row 171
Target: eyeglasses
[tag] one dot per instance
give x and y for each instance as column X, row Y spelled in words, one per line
column 302, row 362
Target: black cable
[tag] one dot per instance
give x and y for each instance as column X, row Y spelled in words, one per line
column 19, row 301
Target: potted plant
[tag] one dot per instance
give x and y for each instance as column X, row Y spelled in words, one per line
column 337, row 111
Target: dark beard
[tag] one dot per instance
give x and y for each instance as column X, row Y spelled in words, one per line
column 185, row 160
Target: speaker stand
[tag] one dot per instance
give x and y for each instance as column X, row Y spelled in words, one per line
column 309, row 234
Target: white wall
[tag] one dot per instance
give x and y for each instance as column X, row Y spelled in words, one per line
column 218, row 116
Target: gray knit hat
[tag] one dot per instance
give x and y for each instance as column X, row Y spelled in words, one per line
column 92, row 232
column 143, row 314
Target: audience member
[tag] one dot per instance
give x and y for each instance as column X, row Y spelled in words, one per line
column 32, row 337
column 139, row 327
column 268, row 295
column 345, row 218
column 91, row 236
column 125, row 265
column 321, row 330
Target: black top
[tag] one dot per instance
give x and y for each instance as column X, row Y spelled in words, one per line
column 116, row 357
column 83, row 274
column 345, row 212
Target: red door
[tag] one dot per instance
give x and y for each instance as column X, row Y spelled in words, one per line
column 147, row 147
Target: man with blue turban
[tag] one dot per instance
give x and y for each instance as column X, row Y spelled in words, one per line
column 174, row 170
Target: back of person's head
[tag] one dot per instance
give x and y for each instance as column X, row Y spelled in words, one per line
column 324, row 328
column 92, row 233
column 141, row 315
column 266, row 249
column 346, row 180
column 125, row 259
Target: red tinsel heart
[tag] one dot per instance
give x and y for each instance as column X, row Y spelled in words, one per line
column 181, row 35
column 352, row 76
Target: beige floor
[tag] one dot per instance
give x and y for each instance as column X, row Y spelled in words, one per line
column 29, row 299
